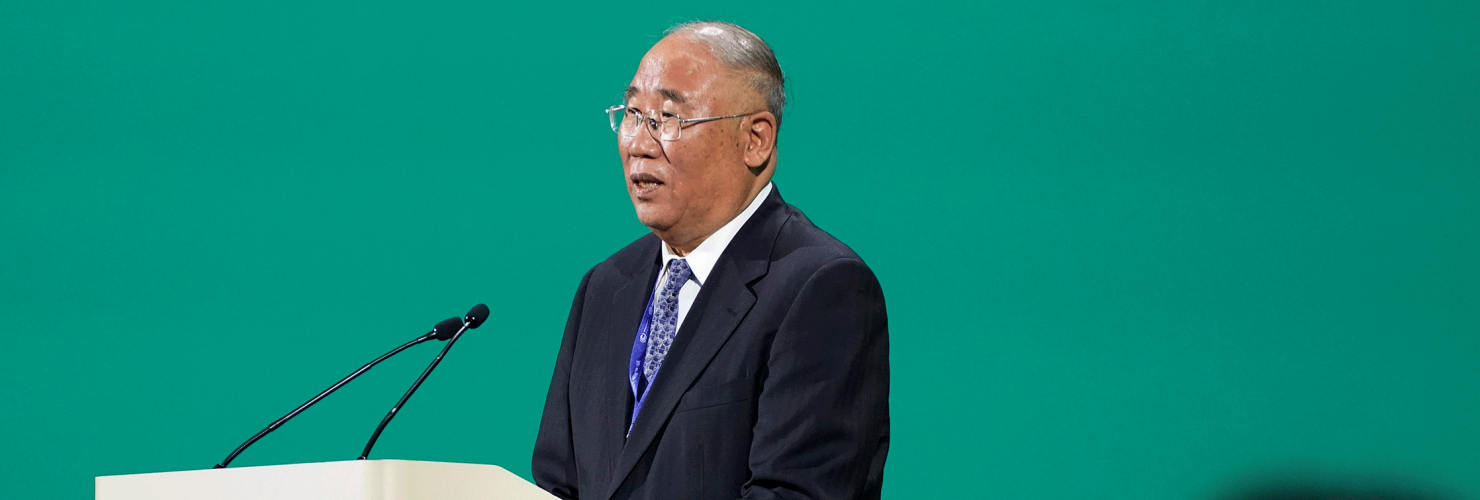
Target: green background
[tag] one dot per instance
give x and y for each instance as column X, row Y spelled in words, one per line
column 1132, row 249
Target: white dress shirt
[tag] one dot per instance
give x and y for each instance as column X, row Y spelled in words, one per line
column 703, row 258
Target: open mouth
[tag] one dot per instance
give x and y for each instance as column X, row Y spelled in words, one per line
column 644, row 182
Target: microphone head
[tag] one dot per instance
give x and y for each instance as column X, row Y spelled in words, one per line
column 447, row 328
column 477, row 315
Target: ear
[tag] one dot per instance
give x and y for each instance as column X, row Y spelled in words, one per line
column 759, row 138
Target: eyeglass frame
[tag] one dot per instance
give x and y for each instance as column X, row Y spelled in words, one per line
column 655, row 125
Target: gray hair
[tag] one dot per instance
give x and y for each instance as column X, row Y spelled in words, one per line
column 740, row 49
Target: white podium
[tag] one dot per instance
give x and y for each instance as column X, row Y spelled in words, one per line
column 347, row 480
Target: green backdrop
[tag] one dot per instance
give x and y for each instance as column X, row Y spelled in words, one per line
column 1132, row 249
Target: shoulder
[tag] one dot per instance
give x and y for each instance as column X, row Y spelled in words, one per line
column 802, row 247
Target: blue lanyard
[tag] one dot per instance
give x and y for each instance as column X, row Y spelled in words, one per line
column 634, row 372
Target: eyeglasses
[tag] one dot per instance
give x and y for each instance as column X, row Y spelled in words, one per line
column 669, row 126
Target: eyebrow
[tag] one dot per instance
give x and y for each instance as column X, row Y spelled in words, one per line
column 670, row 94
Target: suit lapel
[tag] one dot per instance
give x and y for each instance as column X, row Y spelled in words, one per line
column 718, row 309
column 614, row 395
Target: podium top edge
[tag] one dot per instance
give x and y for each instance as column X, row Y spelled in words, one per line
column 332, row 462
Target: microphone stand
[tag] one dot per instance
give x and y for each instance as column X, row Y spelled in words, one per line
column 279, row 422
column 388, row 416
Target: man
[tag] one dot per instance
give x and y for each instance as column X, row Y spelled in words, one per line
column 738, row 351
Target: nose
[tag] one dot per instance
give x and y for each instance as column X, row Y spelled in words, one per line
column 643, row 144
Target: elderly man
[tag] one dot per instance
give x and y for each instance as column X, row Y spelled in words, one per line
column 738, row 351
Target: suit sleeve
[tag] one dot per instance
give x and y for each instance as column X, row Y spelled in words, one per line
column 822, row 425
column 554, row 463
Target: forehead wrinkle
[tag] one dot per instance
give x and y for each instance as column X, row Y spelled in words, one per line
column 678, row 71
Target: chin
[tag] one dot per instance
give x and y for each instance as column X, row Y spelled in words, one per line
column 654, row 217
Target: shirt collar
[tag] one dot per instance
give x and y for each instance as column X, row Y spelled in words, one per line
column 706, row 255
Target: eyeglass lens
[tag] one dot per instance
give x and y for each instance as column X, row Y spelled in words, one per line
column 627, row 122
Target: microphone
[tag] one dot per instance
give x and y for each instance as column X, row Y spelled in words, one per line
column 443, row 331
column 474, row 319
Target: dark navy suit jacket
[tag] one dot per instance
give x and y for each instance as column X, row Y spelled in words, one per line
column 776, row 386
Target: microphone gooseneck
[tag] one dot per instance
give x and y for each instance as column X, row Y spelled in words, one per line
column 473, row 319
column 440, row 332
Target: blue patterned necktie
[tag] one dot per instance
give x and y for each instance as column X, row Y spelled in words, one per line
column 665, row 318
